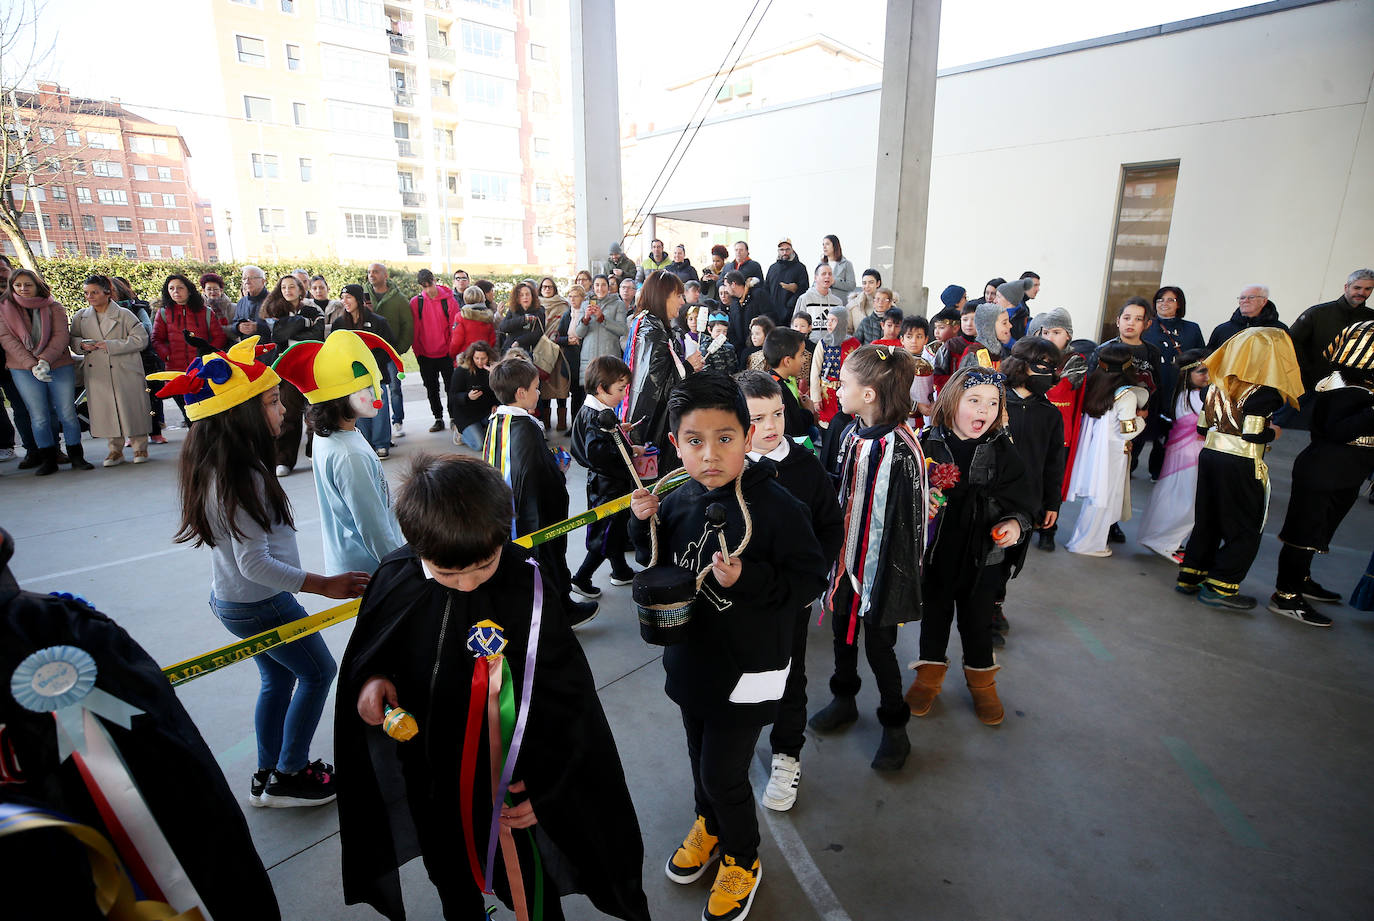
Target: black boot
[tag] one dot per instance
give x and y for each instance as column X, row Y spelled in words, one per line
column 892, row 750
column 32, row 458
column 77, row 454
column 1115, row 535
column 1046, row 541
column 840, row 712
column 47, row 461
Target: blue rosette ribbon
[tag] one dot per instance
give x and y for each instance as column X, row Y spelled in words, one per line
column 61, row 680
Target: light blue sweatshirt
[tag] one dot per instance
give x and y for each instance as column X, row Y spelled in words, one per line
column 356, row 520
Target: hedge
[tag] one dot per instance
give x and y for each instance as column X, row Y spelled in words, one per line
column 65, row 275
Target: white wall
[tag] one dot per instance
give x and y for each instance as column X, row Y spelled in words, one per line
column 1270, row 117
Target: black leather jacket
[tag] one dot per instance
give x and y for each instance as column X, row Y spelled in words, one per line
column 652, row 378
column 1000, row 487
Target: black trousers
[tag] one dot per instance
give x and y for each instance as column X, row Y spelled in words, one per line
column 720, row 756
column 879, row 647
column 607, row 539
column 289, row 441
column 1312, row 519
column 553, row 560
column 435, row 372
column 1227, row 528
column 789, row 727
column 971, row 608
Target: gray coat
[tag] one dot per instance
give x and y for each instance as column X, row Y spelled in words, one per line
column 116, row 392
column 601, row 337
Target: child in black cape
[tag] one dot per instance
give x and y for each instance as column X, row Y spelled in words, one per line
column 1037, row 431
column 516, row 447
column 986, row 514
column 433, row 601
column 801, row 473
column 1328, row 474
column 875, row 585
column 607, row 476
column 730, row 672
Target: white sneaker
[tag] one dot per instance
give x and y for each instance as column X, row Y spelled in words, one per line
column 781, row 792
column 283, row 470
column 6, row 454
column 398, row 430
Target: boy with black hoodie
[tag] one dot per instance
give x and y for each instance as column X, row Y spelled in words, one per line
column 729, row 673
column 784, row 353
column 515, row 446
column 801, row 473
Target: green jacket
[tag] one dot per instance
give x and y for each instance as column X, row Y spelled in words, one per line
column 622, row 262
column 394, row 307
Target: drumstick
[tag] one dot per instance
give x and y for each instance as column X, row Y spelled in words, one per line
column 609, row 422
column 715, row 519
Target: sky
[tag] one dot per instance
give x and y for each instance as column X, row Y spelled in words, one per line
column 148, row 59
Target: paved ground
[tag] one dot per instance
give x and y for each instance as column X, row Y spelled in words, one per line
column 1160, row 760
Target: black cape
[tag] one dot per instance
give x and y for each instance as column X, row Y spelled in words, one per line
column 182, row 785
column 587, row 830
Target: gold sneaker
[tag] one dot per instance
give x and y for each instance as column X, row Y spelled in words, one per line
column 733, row 891
column 696, row 853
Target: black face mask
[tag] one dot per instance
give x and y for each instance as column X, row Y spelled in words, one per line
column 1039, row 384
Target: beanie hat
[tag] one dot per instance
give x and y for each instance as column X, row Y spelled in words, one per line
column 1015, row 291
column 615, row 249
column 951, row 295
column 985, row 321
column 215, row 381
column 1054, row 318
column 357, row 291
column 340, row 365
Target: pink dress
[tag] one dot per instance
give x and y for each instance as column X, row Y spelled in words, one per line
column 1168, row 519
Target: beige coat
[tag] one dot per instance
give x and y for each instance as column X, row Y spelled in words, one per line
column 116, row 392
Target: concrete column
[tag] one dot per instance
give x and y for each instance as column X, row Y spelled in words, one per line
column 906, row 124
column 596, row 129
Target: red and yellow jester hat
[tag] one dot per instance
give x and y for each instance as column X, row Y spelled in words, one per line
column 338, row 366
column 216, row 381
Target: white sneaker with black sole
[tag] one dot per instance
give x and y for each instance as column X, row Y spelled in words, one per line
column 1296, row 607
column 781, row 792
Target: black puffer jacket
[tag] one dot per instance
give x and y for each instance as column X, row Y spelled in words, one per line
column 1269, row 316
column 522, row 328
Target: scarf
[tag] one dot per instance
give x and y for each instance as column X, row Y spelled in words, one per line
column 554, row 308
column 865, row 476
column 23, row 326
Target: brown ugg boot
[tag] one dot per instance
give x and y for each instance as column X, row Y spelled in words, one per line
column 923, row 691
column 562, row 418
column 982, row 685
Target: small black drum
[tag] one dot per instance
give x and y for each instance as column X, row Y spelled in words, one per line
column 664, row 595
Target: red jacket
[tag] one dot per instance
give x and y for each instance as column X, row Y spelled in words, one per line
column 474, row 324
column 171, row 346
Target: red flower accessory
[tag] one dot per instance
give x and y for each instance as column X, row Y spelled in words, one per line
column 944, row 476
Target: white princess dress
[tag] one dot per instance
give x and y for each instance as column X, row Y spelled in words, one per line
column 1102, row 470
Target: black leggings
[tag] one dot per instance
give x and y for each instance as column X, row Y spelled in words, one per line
column 974, row 606
column 435, row 372
column 879, row 645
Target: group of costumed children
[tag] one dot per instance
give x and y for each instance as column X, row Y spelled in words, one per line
column 467, row 720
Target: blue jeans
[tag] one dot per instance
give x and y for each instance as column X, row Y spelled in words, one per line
column 377, row 430
column 43, row 399
column 398, row 406
column 284, row 722
column 474, row 435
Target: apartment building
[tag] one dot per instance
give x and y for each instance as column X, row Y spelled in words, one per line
column 107, row 182
column 425, row 132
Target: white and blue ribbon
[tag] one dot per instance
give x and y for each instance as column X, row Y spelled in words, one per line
column 61, row 680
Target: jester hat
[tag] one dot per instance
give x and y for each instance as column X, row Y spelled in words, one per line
column 215, row 381
column 340, row 365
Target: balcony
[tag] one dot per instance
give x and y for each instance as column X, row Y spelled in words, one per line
column 442, row 54
column 404, row 100
column 443, row 6
column 400, row 44
column 449, row 153
column 412, row 199
column 403, row 148
column 413, row 247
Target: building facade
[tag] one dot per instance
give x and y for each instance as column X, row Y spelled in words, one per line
column 107, row 182
column 426, row 132
column 1233, row 149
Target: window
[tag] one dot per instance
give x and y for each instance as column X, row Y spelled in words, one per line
column 245, row 2
column 543, row 193
column 492, row 240
column 111, row 224
column 140, row 171
column 483, row 41
column 64, row 222
column 79, row 167
column 288, row 6
column 544, row 233
column 54, row 165
column 452, row 183
column 83, row 195
column 33, row 193
column 88, row 223
column 367, row 14
column 271, row 220
column 149, row 225
column 307, row 169
column 1143, row 217
column 494, row 4
column 251, row 50
column 543, row 148
column 367, row 226
column 298, row 114
column 71, row 247
column 92, row 249
column 264, row 166
column 486, row 187
column 112, row 196
column 257, row 109
column 145, row 199
column 484, row 90
column 209, row 220
column 102, row 140
column 59, row 192
column 154, row 252
column 174, row 226
column 178, row 252
column 164, row 173
column 73, row 138
column 148, row 145
column 47, row 135
column 539, row 102
column 312, row 223
column 107, row 168
column 169, row 200
column 293, row 57
column 538, row 52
